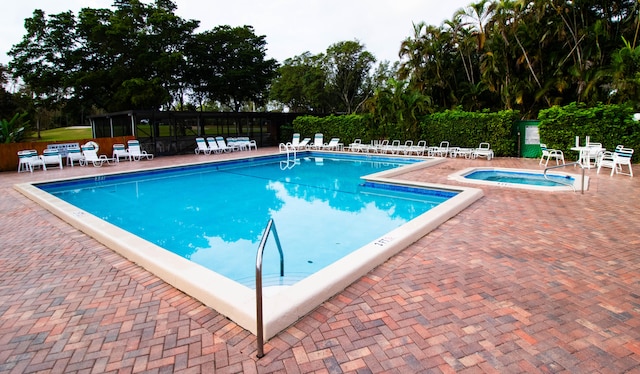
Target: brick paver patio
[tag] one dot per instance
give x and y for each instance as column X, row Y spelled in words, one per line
column 520, row 282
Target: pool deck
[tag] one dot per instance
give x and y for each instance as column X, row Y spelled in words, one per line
column 522, row 281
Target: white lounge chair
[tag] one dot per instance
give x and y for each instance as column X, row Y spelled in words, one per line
column 548, row 154
column 119, row 152
column 213, row 146
column 616, row 160
column 318, row 141
column 295, row 139
column 136, row 153
column 381, row 147
column 28, row 160
column 418, row 149
column 245, row 144
column 74, row 154
column 202, row 146
column 224, row 146
column 356, row 146
column 91, row 156
column 302, row 145
column 51, row 157
column 483, row 150
column 441, row 151
column 333, row 145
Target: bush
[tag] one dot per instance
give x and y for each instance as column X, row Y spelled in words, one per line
column 607, row 124
column 469, row 129
column 13, row 130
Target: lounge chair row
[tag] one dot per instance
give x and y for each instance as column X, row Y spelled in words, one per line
column 218, row 145
column 29, row 160
column 421, row 149
column 317, row 144
column 444, row 150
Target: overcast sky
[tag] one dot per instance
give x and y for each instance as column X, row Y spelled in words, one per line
column 291, row 27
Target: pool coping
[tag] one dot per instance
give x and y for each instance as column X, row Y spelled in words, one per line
column 460, row 176
column 282, row 306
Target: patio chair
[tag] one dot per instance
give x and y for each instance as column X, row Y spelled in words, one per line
column 295, row 140
column 442, row 150
column 392, row 148
column 252, row 145
column 74, row 154
column 616, row 160
column 119, row 151
column 51, row 157
column 318, row 141
column 483, row 150
column 548, row 154
column 333, row 145
column 136, row 153
column 202, row 146
column 418, row 149
column 224, row 147
column 91, row 156
column 213, row 146
column 28, row 160
column 592, row 154
column 304, row 144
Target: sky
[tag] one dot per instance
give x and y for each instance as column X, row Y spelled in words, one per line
column 290, row 27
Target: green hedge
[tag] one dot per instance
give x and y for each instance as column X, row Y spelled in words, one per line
column 610, row 125
column 345, row 127
column 459, row 128
column 469, row 129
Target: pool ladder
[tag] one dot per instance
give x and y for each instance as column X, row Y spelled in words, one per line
column 271, row 226
column 563, row 165
column 292, row 156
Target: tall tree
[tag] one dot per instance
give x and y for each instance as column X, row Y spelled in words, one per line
column 229, row 65
column 301, row 84
column 349, row 74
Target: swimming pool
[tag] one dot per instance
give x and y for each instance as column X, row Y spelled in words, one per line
column 520, row 178
column 283, row 305
column 214, row 214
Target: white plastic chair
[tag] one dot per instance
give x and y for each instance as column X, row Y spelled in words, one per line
column 28, row 160
column 616, row 160
column 483, row 150
column 135, row 152
column 91, row 156
column 202, row 146
column 213, row 146
column 120, row 152
column 548, row 154
column 73, row 155
column 318, row 141
column 51, row 157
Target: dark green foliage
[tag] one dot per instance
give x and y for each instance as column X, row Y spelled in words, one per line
column 610, row 125
column 459, row 128
column 346, row 127
column 469, row 129
column 13, row 130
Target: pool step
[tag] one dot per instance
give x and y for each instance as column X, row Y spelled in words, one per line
column 273, row 280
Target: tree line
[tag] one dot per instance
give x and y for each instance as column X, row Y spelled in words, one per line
column 491, row 55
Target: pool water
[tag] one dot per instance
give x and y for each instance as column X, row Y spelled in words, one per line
column 535, row 179
column 215, row 214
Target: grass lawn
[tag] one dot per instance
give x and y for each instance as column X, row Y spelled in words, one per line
column 61, row 134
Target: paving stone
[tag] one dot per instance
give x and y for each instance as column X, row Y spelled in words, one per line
column 520, row 282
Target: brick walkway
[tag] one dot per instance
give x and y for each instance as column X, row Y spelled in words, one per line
column 521, row 281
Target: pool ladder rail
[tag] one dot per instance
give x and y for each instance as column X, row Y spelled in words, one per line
column 568, row 184
column 292, row 156
column 271, row 227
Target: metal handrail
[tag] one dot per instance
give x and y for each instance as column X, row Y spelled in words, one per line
column 260, row 331
column 288, row 148
column 565, row 165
